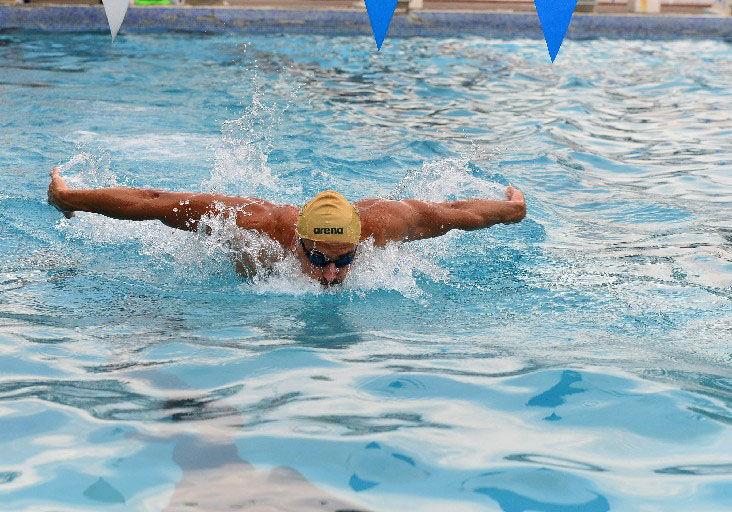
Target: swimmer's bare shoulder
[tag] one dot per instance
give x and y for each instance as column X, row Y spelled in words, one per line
column 277, row 222
column 412, row 219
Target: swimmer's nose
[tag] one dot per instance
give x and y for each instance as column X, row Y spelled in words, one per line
column 330, row 272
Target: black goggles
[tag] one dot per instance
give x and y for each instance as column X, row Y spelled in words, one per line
column 319, row 259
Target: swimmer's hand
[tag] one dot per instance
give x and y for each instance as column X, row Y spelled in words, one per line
column 56, row 190
column 514, row 195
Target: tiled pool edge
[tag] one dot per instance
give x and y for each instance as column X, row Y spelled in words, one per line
column 243, row 20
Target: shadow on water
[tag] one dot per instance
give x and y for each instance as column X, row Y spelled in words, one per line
column 515, row 489
column 554, row 396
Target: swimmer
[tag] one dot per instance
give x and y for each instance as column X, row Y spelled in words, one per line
column 322, row 235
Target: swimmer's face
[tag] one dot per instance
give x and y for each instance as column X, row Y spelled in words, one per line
column 329, row 274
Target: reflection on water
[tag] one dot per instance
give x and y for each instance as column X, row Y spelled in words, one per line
column 700, row 469
column 578, row 361
column 558, row 462
column 215, row 478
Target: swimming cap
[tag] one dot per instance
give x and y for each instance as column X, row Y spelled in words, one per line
column 329, row 217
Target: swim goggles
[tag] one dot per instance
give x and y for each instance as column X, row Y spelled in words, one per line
column 319, row 259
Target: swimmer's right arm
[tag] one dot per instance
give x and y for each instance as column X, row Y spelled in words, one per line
column 180, row 210
column 412, row 219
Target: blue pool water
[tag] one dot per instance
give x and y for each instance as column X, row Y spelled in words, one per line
column 578, row 361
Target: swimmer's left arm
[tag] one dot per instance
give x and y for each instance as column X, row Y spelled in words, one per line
column 413, row 219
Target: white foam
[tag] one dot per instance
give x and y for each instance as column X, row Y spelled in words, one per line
column 153, row 146
column 395, row 267
column 446, row 179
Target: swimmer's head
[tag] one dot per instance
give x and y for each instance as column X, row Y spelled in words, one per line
column 329, row 217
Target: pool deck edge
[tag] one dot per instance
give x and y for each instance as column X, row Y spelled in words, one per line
column 355, row 21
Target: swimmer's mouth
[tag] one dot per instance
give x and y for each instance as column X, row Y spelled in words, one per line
column 332, row 283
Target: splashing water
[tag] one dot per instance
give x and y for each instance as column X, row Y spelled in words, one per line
column 241, row 167
column 446, row 179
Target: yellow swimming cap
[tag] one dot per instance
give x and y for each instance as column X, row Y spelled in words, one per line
column 329, row 217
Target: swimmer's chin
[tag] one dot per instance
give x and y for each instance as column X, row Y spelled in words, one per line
column 326, row 284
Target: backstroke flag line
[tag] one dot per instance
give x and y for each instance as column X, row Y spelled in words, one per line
column 380, row 15
column 554, row 16
column 115, row 10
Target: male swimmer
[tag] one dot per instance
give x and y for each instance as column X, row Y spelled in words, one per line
column 323, row 235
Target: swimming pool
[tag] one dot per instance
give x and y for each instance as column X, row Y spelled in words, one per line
column 578, row 361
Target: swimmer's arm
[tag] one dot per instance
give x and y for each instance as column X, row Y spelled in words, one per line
column 180, row 210
column 413, row 219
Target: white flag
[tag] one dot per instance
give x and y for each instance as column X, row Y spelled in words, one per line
column 116, row 10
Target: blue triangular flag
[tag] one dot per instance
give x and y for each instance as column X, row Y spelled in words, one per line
column 555, row 16
column 380, row 14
